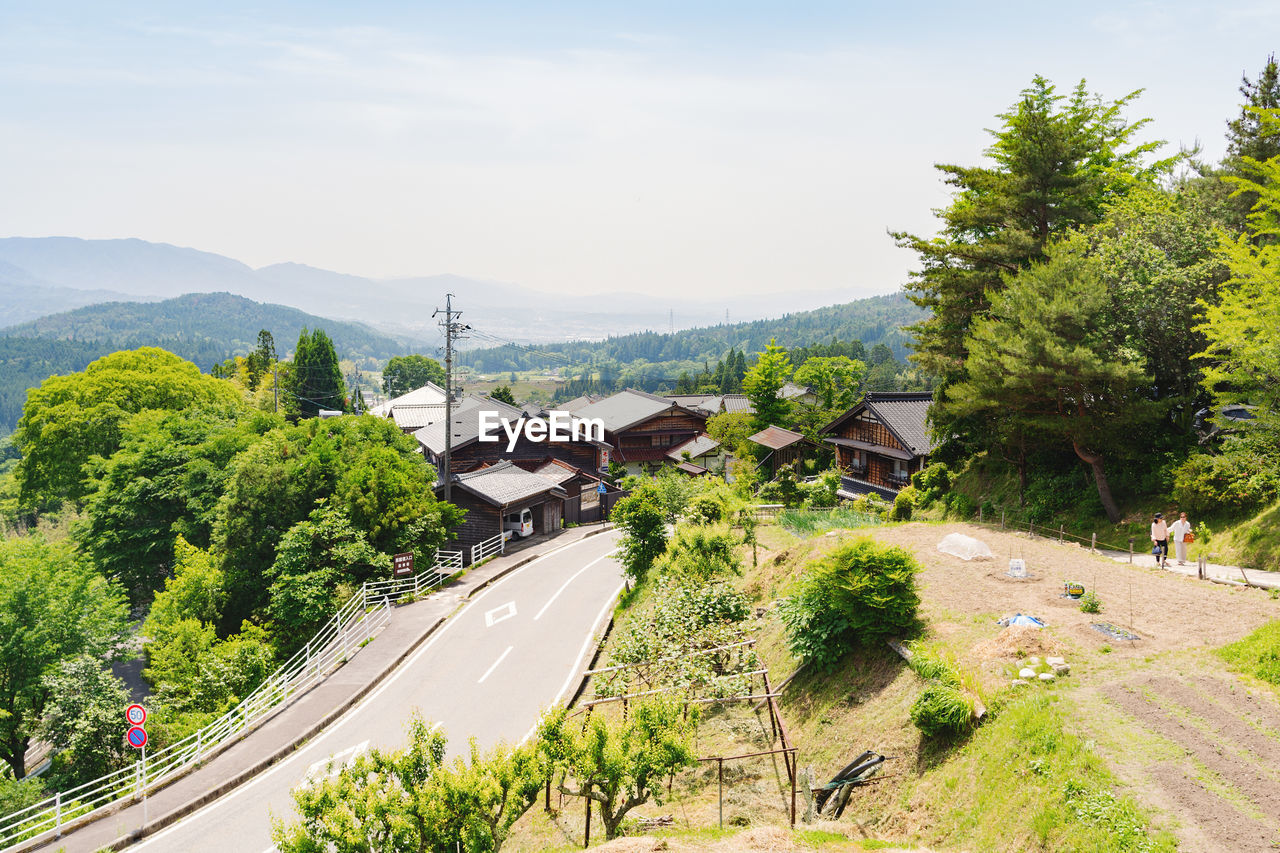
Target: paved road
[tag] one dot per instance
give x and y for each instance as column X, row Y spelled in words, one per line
column 515, row 649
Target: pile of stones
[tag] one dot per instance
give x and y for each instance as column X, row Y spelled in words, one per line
column 1034, row 670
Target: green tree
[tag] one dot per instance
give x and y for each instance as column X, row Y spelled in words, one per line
column 644, row 527
column 317, row 378
column 405, row 373
column 1251, row 139
column 835, row 381
column 731, row 429
column 71, row 418
column 619, row 764
column 313, row 558
column 503, row 395
column 762, row 384
column 373, row 473
column 1044, row 362
column 196, row 591
column 82, row 722
column 1243, row 351
column 1056, row 162
column 488, row 792
column 164, row 481
column 261, row 359
column 53, row 606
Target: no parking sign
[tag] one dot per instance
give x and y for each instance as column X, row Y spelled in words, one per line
column 137, row 737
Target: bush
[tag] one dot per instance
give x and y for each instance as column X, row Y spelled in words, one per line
column 932, row 482
column 871, row 504
column 821, row 494
column 1234, row 482
column 862, row 592
column 698, row 553
column 1090, row 603
column 960, row 505
column 783, row 489
column 942, row 709
column 903, row 504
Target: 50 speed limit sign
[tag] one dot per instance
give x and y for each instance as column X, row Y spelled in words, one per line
column 135, row 714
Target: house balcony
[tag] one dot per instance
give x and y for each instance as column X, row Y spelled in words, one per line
column 851, row 487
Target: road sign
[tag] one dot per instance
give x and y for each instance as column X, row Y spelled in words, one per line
column 602, row 488
column 137, row 737
column 402, row 564
column 135, row 714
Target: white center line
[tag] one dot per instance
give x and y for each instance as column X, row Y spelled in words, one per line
column 565, row 585
column 490, row 670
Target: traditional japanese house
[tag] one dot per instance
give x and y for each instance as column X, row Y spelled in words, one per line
column 502, row 491
column 881, row 442
column 644, row 429
column 469, row 452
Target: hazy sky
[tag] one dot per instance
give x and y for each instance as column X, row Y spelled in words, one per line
column 682, row 148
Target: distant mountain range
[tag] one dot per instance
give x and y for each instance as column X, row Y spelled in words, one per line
column 205, row 328
column 45, row 275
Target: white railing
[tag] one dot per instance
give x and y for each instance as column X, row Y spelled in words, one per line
column 488, row 548
column 341, row 637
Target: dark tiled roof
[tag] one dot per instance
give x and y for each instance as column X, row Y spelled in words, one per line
column 505, row 483
column 775, row 437
column 906, row 414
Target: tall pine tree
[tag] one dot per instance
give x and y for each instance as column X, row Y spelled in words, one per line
column 317, row 378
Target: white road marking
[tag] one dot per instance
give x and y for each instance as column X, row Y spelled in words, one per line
column 577, row 664
column 565, row 585
column 404, row 667
column 328, row 768
column 490, row 670
column 500, row 614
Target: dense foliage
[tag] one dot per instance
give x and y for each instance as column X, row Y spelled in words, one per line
column 405, row 373
column 859, row 594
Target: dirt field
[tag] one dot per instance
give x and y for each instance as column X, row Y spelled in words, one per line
column 1191, row 739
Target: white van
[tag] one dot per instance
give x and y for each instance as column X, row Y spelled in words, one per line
column 519, row 523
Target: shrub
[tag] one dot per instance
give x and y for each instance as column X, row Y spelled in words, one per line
column 698, row 553
column 783, row 489
column 942, row 709
column 932, row 482
column 862, row 592
column 871, row 505
column 1235, row 482
column 821, row 494
column 903, row 504
column 1090, row 603
column 960, row 505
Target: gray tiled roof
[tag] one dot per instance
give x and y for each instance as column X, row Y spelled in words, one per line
column 624, row 409
column 699, row 445
column 506, row 483
column 466, row 423
column 417, row 416
column 907, row 415
column 427, row 394
column 738, row 403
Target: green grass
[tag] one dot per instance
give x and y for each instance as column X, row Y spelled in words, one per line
column 1024, row 781
column 1257, row 654
column 809, row 522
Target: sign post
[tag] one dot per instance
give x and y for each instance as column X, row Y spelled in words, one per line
column 402, row 565
column 135, row 715
column 602, row 490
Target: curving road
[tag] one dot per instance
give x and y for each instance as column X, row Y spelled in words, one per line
column 489, row 671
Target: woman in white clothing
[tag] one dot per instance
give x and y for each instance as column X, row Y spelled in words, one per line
column 1178, row 533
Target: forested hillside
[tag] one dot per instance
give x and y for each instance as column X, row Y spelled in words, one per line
column 203, row 328
column 878, row 319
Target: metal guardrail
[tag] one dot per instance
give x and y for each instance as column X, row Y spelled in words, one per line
column 341, row 637
column 487, row 548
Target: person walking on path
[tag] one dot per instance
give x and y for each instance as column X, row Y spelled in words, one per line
column 1179, row 531
column 1160, row 539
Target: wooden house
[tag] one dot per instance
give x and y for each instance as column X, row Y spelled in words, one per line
column 646, row 432
column 469, row 452
column 881, row 442
column 494, row 492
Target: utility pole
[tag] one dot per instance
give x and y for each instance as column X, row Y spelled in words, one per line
column 452, row 330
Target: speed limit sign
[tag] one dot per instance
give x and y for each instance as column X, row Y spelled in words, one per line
column 135, row 714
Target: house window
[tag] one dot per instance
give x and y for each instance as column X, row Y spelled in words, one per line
column 661, row 441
